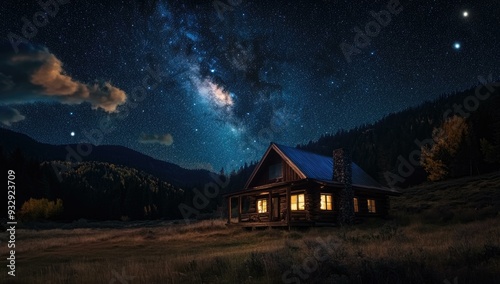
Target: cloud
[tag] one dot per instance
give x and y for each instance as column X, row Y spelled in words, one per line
column 163, row 139
column 9, row 115
column 37, row 75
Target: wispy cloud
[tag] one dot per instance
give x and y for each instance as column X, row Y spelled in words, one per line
column 38, row 75
column 163, row 139
column 9, row 115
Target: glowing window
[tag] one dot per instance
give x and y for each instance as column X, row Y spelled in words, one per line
column 297, row 202
column 356, row 208
column 262, row 205
column 371, row 206
column 326, row 202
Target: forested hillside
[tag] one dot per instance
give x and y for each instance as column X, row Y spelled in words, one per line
column 94, row 190
column 385, row 147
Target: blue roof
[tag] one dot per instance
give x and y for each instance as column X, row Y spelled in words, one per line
column 320, row 167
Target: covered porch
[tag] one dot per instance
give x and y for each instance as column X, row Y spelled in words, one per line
column 279, row 205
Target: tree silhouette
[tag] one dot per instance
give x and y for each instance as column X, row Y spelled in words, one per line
column 448, row 139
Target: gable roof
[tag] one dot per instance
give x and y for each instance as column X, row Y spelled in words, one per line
column 314, row 166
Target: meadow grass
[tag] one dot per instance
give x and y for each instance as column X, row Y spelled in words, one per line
column 418, row 244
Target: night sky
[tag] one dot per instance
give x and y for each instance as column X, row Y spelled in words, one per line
column 208, row 84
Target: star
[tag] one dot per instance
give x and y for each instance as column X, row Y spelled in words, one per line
column 207, row 75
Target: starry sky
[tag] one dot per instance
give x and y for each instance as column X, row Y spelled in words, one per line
column 208, row 84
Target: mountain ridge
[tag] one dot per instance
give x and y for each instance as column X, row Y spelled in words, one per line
column 115, row 154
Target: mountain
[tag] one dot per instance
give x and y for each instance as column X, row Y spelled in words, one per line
column 118, row 155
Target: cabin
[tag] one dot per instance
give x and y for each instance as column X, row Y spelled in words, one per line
column 291, row 187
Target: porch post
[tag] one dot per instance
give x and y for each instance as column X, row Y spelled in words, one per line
column 229, row 210
column 288, row 207
column 270, row 205
column 239, row 209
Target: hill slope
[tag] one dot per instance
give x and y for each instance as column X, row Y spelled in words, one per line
column 117, row 155
column 458, row 200
column 377, row 251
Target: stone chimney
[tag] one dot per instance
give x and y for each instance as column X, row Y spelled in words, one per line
column 342, row 172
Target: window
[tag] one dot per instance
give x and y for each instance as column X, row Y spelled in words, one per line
column 371, row 206
column 275, row 171
column 297, row 202
column 356, row 208
column 326, row 202
column 262, row 205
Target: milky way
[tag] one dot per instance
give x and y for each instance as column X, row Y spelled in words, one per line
column 210, row 83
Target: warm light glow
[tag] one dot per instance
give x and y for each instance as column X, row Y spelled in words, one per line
column 356, row 208
column 326, row 202
column 262, row 205
column 371, row 206
column 297, row 202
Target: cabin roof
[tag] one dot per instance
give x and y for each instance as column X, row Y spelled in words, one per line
column 314, row 166
column 321, row 167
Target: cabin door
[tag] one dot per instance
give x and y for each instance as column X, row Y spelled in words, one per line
column 276, row 208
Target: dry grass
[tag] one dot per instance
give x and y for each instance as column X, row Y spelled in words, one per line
column 411, row 248
column 208, row 252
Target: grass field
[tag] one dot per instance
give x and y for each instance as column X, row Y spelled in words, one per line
column 440, row 233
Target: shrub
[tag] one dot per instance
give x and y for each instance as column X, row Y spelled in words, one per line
column 37, row 209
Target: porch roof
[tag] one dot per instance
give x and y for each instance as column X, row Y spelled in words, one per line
column 297, row 184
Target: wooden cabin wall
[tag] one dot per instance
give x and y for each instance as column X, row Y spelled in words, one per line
column 309, row 201
column 326, row 215
column 288, row 173
column 252, row 208
column 381, row 205
column 262, row 176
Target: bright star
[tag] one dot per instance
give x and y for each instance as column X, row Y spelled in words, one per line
column 72, row 133
column 465, row 14
column 456, row 45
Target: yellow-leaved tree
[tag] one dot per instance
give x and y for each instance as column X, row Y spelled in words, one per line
column 436, row 158
column 41, row 209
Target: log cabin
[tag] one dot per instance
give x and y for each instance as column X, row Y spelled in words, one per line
column 291, row 187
